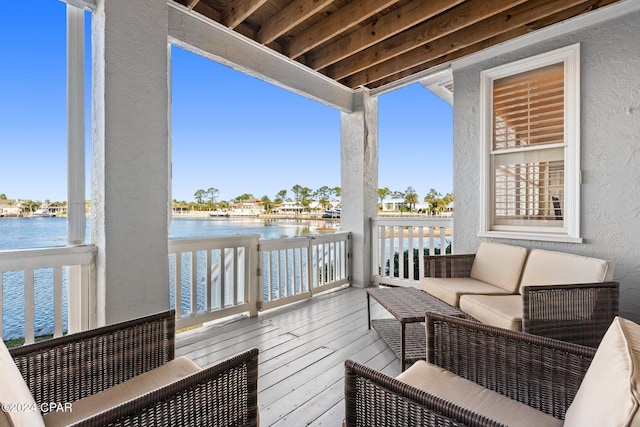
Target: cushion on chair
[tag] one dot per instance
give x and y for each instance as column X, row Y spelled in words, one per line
column 467, row 394
column 503, row 311
column 499, row 265
column 166, row 374
column 450, row 289
column 610, row 391
column 559, row 268
column 14, row 391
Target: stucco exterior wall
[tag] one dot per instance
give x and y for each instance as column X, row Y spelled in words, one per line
column 610, row 150
column 130, row 174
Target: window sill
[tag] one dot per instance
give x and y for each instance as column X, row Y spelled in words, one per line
column 563, row 238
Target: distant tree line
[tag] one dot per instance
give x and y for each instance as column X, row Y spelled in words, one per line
column 207, row 200
column 437, row 202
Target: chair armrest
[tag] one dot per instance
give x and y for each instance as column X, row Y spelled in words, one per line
column 540, row 372
column 448, row 265
column 578, row 313
column 74, row 366
column 373, row 399
column 225, row 394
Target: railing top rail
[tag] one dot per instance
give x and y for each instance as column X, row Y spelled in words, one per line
column 429, row 221
column 181, row 245
column 295, row 242
column 21, row 259
column 335, row 237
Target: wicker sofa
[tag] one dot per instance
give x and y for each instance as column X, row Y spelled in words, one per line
column 124, row 374
column 554, row 294
column 480, row 375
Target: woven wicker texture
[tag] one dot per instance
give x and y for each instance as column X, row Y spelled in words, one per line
column 540, row 372
column 69, row 368
column 408, row 306
column 578, row 313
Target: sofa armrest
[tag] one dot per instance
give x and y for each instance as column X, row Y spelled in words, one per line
column 74, row 366
column 373, row 399
column 540, row 372
column 225, row 394
column 442, row 266
column 579, row 313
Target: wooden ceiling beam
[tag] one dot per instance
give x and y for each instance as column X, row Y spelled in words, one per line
column 292, row 15
column 238, row 11
column 204, row 9
column 454, row 20
column 520, row 31
column 407, row 16
column 518, row 16
column 504, row 37
column 342, row 20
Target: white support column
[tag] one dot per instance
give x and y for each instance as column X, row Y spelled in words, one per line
column 359, row 171
column 76, row 217
column 80, row 314
column 130, row 158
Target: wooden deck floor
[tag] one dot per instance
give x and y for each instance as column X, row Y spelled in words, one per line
column 302, row 352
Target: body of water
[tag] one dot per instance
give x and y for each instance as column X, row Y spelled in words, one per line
column 25, row 233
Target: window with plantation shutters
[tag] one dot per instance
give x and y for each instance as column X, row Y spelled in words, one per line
column 531, row 128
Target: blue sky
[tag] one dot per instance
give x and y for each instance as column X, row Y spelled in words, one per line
column 229, row 131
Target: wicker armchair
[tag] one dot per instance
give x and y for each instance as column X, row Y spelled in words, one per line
column 542, row 373
column 578, row 313
column 76, row 366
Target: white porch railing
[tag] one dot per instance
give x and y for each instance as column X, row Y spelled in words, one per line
column 219, row 277
column 29, row 273
column 212, row 279
column 295, row 269
column 392, row 237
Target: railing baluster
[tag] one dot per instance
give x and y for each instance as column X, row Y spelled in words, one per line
column 267, row 273
column 177, row 291
column 432, row 242
column 194, row 283
column 420, row 252
column 287, row 278
column 382, row 255
column 223, row 277
column 57, row 302
column 208, row 291
column 236, row 276
column 1, row 300
column 400, row 252
column 29, row 303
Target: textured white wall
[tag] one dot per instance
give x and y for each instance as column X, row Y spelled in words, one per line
column 610, row 128
column 130, row 158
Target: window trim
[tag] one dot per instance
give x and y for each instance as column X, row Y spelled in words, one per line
column 570, row 232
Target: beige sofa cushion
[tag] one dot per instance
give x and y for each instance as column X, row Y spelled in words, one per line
column 503, row 311
column 559, row 268
column 610, row 391
column 168, row 373
column 499, row 265
column 450, row 289
column 474, row 397
column 14, row 392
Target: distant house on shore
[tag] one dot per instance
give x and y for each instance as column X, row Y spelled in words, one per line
column 249, row 207
column 397, row 205
column 10, row 207
column 289, row 208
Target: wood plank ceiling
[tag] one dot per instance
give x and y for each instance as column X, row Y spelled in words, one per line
column 372, row 43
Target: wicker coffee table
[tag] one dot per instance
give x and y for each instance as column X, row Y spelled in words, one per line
column 405, row 334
